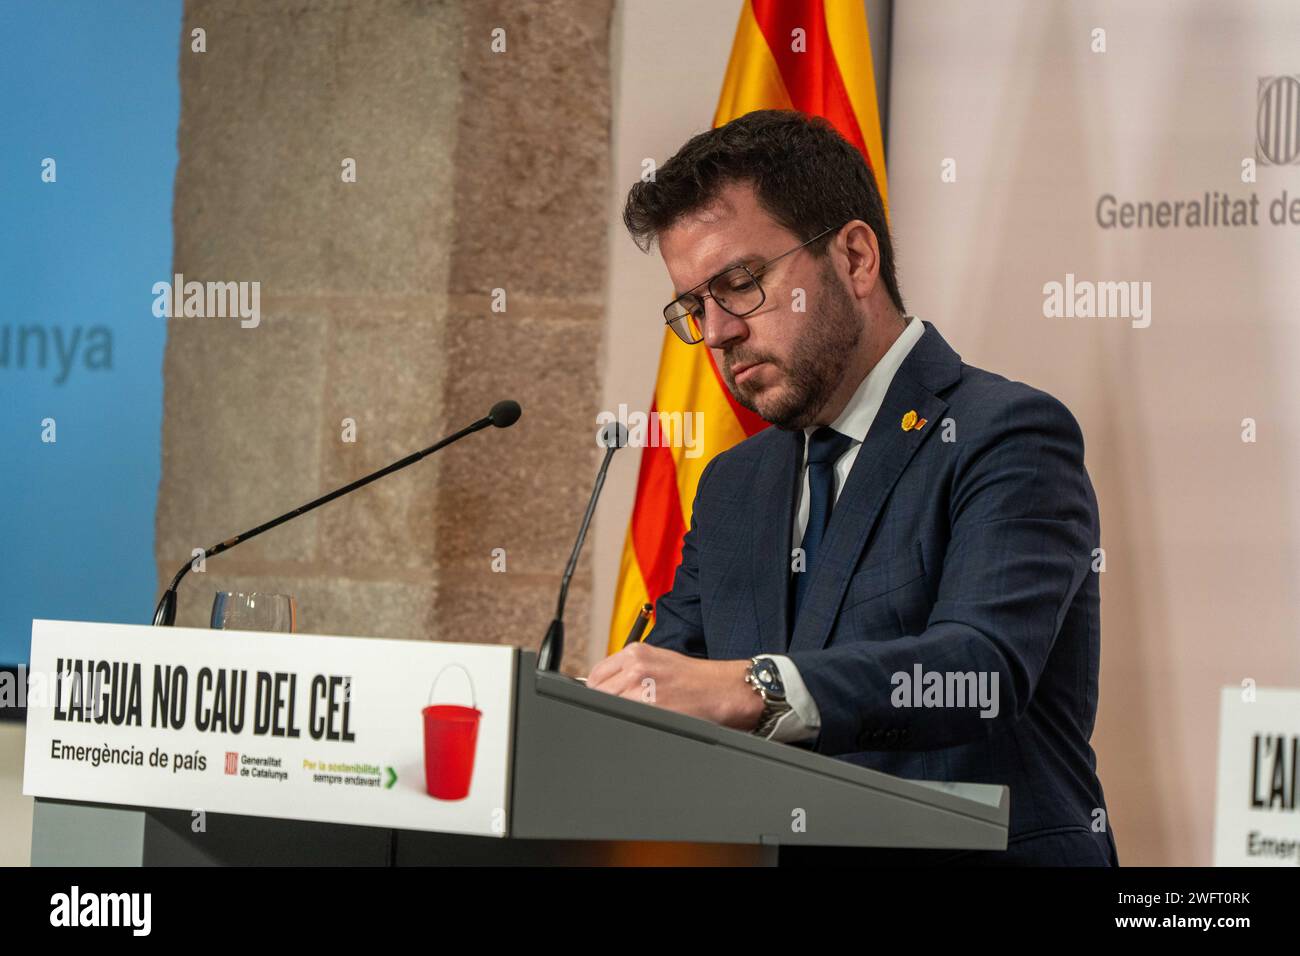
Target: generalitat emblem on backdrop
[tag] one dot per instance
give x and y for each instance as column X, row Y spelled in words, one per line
column 1277, row 121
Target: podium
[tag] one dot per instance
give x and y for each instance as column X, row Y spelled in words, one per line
column 592, row 779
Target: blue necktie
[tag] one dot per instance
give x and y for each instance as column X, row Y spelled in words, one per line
column 825, row 446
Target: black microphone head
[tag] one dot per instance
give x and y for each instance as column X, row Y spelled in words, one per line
column 614, row 435
column 505, row 413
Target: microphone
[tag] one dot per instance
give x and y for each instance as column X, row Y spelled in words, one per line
column 502, row 415
column 613, row 437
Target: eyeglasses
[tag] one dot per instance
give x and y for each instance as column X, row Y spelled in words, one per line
column 737, row 290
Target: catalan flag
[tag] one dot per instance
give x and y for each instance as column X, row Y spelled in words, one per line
column 809, row 55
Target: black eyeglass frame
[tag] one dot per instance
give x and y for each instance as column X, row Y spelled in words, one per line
column 677, row 322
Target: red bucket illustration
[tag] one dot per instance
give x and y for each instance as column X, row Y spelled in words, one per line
column 450, row 736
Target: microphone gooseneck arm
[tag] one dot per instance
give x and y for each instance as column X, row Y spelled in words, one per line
column 582, row 532
column 503, row 415
column 551, row 652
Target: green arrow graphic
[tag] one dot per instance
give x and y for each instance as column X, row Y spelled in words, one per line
column 392, row 778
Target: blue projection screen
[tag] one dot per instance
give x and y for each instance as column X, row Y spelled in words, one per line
column 88, row 159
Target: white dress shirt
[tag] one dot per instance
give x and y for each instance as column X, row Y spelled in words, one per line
column 803, row 721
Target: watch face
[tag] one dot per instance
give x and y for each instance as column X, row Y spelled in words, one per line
column 768, row 677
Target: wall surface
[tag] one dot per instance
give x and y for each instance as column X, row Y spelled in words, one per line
column 15, row 809
column 477, row 169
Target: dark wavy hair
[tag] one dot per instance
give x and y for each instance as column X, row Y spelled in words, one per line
column 805, row 175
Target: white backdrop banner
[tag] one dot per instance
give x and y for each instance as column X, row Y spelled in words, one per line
column 406, row 734
column 1100, row 199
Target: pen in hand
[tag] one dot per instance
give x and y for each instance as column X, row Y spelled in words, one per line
column 639, row 625
column 638, row 630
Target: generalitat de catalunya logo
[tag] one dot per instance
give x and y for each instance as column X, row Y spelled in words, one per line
column 1277, row 121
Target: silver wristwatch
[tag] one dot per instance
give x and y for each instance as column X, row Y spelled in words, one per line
column 765, row 678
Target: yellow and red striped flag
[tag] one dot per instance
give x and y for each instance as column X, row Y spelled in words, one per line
column 809, row 55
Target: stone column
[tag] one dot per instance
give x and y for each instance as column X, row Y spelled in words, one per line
column 475, row 170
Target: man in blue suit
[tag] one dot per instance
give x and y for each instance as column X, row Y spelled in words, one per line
column 901, row 573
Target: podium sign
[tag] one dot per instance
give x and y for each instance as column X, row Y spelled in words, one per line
column 400, row 734
column 1257, row 817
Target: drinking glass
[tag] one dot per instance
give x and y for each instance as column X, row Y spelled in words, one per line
column 254, row 611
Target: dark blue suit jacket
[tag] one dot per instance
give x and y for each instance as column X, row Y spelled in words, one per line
column 964, row 546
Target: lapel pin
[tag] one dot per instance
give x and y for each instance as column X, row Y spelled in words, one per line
column 909, row 420
column 920, row 424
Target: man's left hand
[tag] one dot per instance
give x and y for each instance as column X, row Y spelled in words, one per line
column 712, row 690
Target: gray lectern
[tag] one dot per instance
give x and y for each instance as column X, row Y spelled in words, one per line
column 594, row 780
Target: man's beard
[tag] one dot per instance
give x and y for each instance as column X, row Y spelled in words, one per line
column 814, row 369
